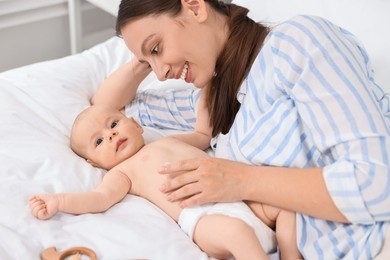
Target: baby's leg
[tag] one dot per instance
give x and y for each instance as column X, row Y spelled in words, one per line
column 285, row 229
column 286, row 235
column 222, row 236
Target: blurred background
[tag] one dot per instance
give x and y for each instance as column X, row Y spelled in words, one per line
column 32, row 31
column 38, row 30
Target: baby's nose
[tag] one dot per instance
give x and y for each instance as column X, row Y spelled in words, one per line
column 112, row 134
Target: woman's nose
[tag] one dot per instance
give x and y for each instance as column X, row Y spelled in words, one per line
column 111, row 135
column 162, row 71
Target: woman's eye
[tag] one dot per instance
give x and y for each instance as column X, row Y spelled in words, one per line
column 155, row 49
column 99, row 141
column 114, row 124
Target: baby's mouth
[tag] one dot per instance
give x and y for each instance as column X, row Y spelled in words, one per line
column 119, row 144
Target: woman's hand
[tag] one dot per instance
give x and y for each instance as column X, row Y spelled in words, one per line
column 203, row 180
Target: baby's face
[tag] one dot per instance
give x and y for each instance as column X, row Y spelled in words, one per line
column 106, row 137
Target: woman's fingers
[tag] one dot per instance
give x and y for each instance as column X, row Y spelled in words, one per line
column 198, row 181
column 180, row 173
column 194, row 200
column 184, row 192
column 179, row 166
column 178, row 181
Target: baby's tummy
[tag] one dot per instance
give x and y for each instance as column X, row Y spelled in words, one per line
column 150, row 190
column 173, row 209
column 159, row 199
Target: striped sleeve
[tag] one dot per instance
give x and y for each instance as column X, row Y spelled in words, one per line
column 165, row 108
column 332, row 86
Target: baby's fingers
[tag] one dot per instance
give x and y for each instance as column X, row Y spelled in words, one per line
column 39, row 210
column 34, row 198
column 33, row 203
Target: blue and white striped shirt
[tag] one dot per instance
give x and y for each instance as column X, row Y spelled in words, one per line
column 310, row 101
column 166, row 108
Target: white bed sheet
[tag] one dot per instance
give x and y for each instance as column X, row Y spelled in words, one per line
column 38, row 105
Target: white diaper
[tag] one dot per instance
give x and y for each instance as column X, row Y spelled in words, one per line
column 189, row 217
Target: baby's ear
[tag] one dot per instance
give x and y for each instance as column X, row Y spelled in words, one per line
column 92, row 163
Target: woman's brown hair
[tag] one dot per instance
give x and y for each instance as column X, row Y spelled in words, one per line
column 133, row 9
column 233, row 65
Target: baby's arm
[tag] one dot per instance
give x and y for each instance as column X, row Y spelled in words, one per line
column 121, row 86
column 114, row 187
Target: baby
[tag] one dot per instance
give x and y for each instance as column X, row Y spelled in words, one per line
column 106, row 138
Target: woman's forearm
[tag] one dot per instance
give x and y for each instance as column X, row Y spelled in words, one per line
column 300, row 190
column 196, row 139
column 121, row 86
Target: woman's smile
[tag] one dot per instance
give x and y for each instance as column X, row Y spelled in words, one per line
column 184, row 73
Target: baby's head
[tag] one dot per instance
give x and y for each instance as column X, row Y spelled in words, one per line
column 105, row 137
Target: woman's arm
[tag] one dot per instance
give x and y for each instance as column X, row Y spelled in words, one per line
column 120, row 87
column 335, row 108
column 217, row 180
column 201, row 136
column 113, row 188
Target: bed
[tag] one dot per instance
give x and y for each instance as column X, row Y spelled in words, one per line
column 39, row 102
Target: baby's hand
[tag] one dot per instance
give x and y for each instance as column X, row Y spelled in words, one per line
column 44, row 206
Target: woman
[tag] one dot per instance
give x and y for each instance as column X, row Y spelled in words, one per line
column 295, row 113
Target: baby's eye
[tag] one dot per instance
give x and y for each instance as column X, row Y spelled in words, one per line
column 114, row 124
column 155, row 49
column 99, row 141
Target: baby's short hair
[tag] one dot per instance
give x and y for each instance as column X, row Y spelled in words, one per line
column 73, row 145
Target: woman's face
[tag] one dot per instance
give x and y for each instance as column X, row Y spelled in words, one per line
column 183, row 47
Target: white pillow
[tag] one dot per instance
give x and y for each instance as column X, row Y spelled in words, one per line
column 367, row 19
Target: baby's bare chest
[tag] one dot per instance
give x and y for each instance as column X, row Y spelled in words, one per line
column 144, row 167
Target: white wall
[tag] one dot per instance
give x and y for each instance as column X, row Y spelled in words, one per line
column 33, row 31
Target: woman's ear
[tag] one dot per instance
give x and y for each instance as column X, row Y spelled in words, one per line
column 92, row 163
column 196, row 8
